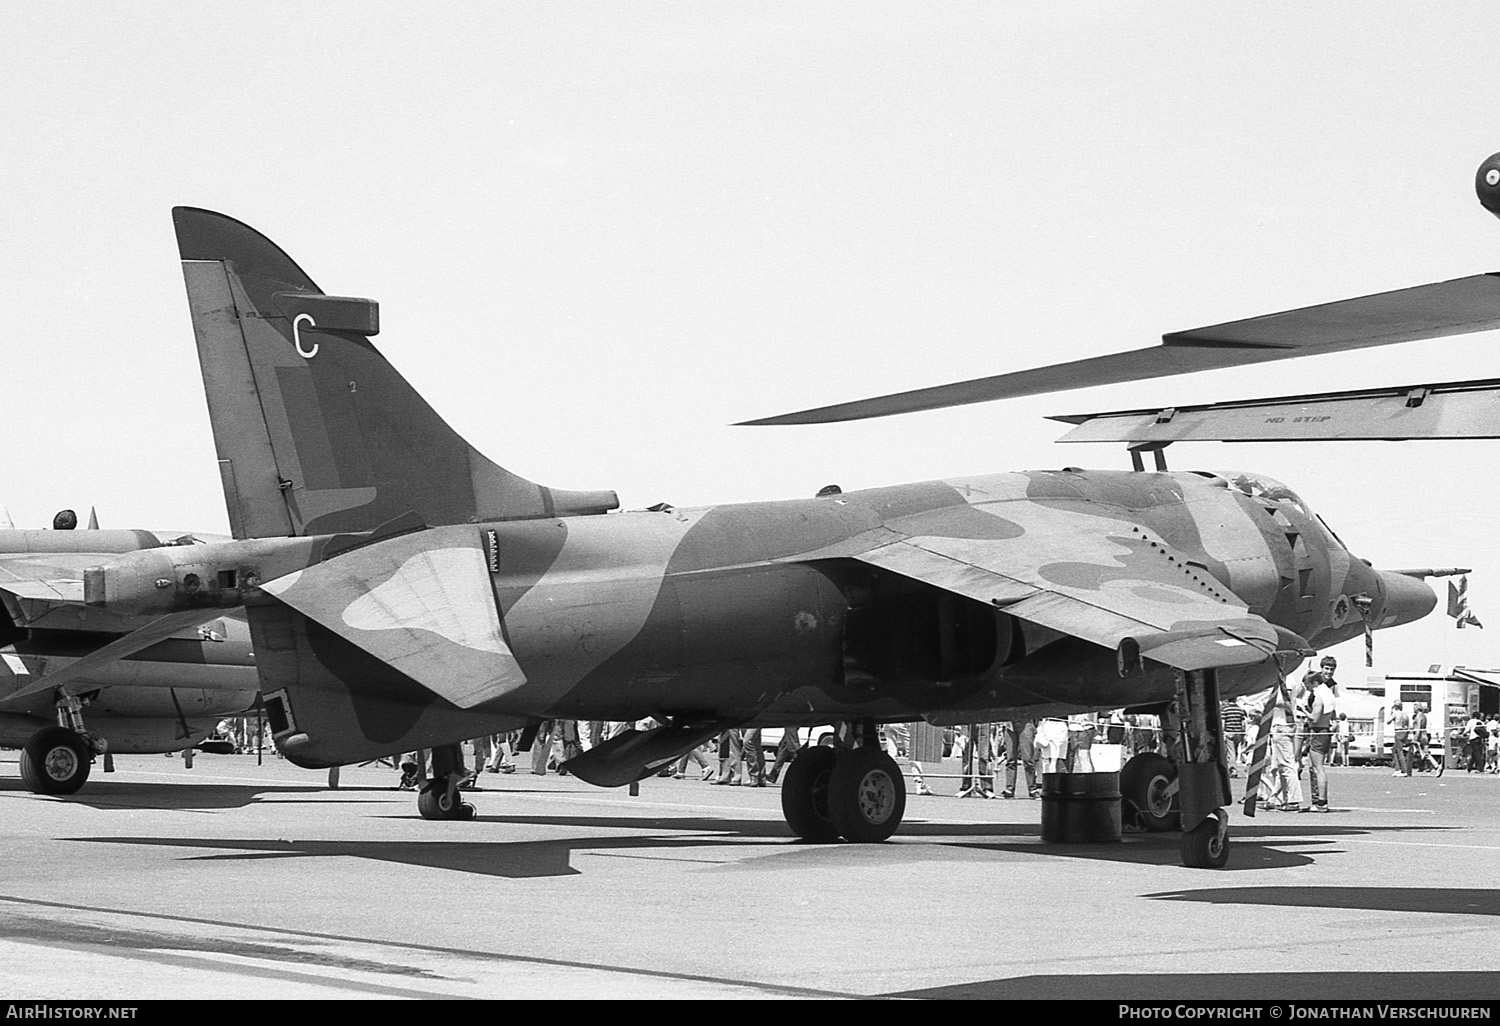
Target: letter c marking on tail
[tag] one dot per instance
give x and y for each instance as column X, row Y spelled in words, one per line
column 297, row 335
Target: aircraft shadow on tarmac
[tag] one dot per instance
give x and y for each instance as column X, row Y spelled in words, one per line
column 1158, row 987
column 511, row 859
column 1274, row 848
column 1469, row 901
column 695, row 841
column 691, row 840
column 134, row 795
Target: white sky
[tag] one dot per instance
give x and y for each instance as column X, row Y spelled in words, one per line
column 602, row 232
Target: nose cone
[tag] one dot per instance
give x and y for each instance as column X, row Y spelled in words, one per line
column 1406, row 599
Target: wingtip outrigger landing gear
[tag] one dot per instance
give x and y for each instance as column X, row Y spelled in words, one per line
column 1203, row 777
column 439, row 797
column 1206, row 846
column 856, row 793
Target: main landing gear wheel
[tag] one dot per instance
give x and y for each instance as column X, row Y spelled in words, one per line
column 55, row 760
column 1146, row 784
column 804, row 795
column 866, row 795
column 1206, row 846
column 858, row 794
column 437, row 800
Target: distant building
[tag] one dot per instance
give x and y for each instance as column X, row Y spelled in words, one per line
column 1450, row 697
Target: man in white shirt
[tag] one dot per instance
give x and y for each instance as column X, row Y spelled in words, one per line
column 1319, row 741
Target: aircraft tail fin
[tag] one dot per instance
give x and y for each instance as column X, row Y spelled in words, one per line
column 316, row 432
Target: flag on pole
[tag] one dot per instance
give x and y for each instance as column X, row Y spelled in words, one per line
column 1458, row 604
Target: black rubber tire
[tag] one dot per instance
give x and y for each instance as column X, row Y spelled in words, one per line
column 1205, row 846
column 55, row 760
column 804, row 795
column 436, row 801
column 1143, row 781
column 866, row 795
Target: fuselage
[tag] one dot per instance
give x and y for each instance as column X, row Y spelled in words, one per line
column 756, row 605
column 769, row 612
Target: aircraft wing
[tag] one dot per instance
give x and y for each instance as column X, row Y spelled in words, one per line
column 1106, row 581
column 1440, row 309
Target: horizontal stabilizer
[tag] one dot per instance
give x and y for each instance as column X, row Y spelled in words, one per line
column 420, row 602
column 1457, row 409
column 1437, row 310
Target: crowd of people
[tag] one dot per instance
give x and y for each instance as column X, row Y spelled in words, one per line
column 739, row 753
column 738, row 758
column 1306, row 735
column 1477, row 744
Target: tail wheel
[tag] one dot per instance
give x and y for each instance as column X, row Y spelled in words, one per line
column 866, row 795
column 1206, row 846
column 437, row 800
column 804, row 795
column 55, row 761
column 1148, row 786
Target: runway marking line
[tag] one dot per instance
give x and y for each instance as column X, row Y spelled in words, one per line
column 1422, row 844
column 768, row 988
column 239, row 967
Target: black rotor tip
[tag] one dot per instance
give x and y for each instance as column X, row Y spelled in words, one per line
column 1487, row 184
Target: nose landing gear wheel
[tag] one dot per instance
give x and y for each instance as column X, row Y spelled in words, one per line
column 866, row 795
column 55, row 760
column 804, row 795
column 1206, row 846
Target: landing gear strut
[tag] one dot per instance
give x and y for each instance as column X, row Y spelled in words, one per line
column 855, row 793
column 56, row 760
column 1203, row 777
